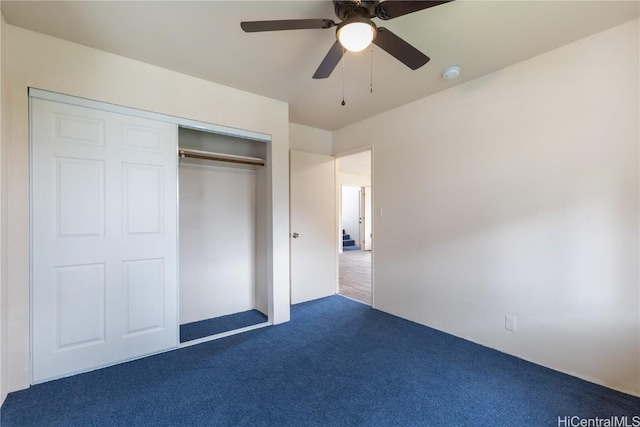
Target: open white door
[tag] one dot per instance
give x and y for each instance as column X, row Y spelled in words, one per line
column 365, row 209
column 104, row 243
column 314, row 233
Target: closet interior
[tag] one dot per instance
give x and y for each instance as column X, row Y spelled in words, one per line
column 222, row 233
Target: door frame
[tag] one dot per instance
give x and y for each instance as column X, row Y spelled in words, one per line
column 338, row 156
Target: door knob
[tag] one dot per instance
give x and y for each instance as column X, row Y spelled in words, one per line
column 295, row 235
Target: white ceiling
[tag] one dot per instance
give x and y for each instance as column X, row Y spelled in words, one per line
column 204, row 39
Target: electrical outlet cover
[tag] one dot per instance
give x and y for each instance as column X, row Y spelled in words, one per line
column 510, row 323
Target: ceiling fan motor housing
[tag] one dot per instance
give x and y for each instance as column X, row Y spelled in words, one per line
column 346, row 9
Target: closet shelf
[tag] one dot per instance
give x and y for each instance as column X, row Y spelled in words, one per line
column 220, row 157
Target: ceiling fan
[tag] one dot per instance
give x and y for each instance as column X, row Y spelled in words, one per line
column 356, row 30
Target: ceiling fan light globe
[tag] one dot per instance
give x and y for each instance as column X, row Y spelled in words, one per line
column 356, row 36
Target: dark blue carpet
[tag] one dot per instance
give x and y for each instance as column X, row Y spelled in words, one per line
column 217, row 325
column 337, row 363
column 351, row 248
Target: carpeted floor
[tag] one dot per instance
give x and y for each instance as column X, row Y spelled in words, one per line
column 337, row 363
column 217, row 325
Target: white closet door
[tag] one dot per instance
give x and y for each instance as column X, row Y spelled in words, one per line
column 104, row 238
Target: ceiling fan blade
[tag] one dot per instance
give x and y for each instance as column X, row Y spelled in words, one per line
column 329, row 62
column 286, row 24
column 390, row 9
column 400, row 49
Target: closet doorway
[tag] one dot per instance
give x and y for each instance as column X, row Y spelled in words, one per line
column 111, row 278
column 221, row 204
column 355, row 269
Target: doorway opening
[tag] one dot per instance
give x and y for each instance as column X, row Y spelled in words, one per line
column 355, row 214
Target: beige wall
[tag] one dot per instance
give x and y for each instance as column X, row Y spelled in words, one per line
column 39, row 61
column 3, row 219
column 354, row 179
column 310, row 140
column 517, row 194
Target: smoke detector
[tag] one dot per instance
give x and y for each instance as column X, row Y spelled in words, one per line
column 451, row 72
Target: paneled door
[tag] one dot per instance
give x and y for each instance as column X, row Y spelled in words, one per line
column 365, row 219
column 104, row 238
column 314, row 233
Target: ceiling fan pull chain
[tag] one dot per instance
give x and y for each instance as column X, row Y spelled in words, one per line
column 343, row 61
column 371, row 65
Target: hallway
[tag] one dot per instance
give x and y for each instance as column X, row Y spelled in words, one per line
column 355, row 275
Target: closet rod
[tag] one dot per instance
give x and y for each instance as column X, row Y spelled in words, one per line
column 220, row 157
